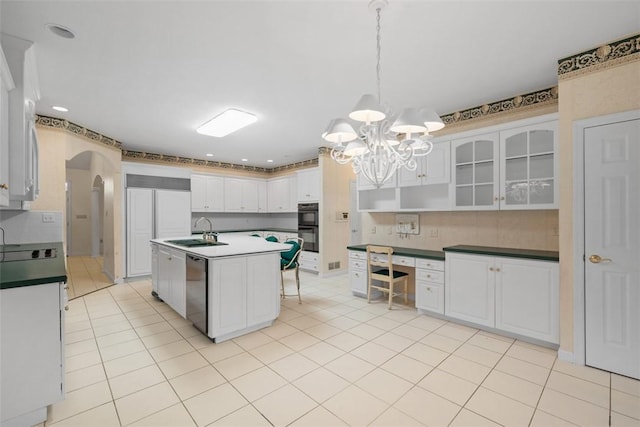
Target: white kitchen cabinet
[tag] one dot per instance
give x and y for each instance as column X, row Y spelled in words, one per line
column 243, row 294
column 31, row 352
column 207, row 193
column 528, row 167
column 6, row 85
column 282, row 194
column 310, row 261
column 358, row 273
column 475, row 172
column 172, row 271
column 241, row 195
column 262, row 196
column 527, row 298
column 515, row 295
column 308, row 185
column 434, row 168
column 470, row 288
column 23, row 144
column 430, row 285
column 510, row 169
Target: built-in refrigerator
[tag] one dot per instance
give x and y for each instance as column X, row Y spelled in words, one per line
column 153, row 214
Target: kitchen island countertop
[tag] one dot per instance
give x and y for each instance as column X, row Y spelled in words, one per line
column 235, row 245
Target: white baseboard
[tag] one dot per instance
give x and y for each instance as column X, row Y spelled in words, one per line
column 566, row 356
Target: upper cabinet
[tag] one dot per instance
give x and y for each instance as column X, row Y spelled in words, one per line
column 475, row 172
column 207, row 193
column 241, row 195
column 308, row 185
column 507, row 170
column 528, row 174
column 433, row 168
column 6, row 85
column 23, row 170
column 282, row 194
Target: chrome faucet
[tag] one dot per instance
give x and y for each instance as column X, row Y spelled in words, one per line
column 207, row 235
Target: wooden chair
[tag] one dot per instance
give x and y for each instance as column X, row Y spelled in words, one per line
column 380, row 266
column 289, row 262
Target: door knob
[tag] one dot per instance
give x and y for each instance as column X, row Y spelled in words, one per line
column 597, row 259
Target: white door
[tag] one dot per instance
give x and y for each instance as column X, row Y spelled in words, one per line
column 354, row 215
column 612, row 247
column 139, row 230
column 172, row 214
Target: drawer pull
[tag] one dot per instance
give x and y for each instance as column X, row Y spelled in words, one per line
column 491, row 269
column 428, row 275
column 429, row 288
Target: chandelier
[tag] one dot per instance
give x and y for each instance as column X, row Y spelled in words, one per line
column 381, row 146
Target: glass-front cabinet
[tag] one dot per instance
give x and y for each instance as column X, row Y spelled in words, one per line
column 528, row 179
column 507, row 170
column 475, row 172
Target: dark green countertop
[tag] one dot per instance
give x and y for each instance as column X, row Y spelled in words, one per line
column 410, row 252
column 505, row 252
column 14, row 274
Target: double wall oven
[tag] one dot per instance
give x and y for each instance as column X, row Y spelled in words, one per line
column 308, row 222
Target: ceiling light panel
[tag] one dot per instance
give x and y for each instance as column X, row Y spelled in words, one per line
column 227, row 122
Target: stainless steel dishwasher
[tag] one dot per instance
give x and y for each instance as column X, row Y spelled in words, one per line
column 197, row 292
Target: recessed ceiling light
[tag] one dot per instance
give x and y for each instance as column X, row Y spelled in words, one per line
column 269, row 161
column 245, row 160
column 227, row 122
column 209, row 155
column 59, row 108
column 61, row 31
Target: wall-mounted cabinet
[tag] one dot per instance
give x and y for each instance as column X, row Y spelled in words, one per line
column 308, row 185
column 507, row 168
column 207, row 193
column 241, row 195
column 6, row 85
column 282, row 194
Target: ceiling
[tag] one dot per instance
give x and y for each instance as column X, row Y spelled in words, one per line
column 147, row 73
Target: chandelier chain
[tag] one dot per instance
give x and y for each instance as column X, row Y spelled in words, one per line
column 378, row 53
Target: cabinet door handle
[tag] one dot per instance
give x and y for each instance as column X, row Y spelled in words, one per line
column 428, row 275
column 498, row 270
column 357, row 274
column 495, row 199
column 429, row 288
column 597, row 259
column 491, row 269
column 502, row 198
column 4, row 186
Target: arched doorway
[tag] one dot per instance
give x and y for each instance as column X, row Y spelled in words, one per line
column 85, row 177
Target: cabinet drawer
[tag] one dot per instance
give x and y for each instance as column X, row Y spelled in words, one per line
column 358, row 281
column 429, row 264
column 429, row 275
column 357, row 255
column 356, row 264
column 306, row 257
column 404, row 260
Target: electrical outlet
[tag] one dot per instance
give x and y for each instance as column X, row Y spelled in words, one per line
column 433, row 232
column 47, row 217
column 373, row 230
column 389, row 230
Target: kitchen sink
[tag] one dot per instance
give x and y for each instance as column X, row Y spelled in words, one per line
column 194, row 243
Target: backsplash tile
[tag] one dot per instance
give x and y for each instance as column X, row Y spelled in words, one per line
column 30, row 226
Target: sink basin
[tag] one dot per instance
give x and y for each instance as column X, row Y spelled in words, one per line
column 194, row 243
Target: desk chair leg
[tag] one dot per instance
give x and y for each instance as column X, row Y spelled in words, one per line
column 369, row 291
column 298, row 284
column 390, row 295
column 405, row 291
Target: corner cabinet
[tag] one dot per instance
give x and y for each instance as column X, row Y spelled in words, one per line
column 515, row 295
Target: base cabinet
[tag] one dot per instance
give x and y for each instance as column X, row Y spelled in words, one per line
column 515, row 295
column 171, row 280
column 358, row 273
column 310, row 261
column 31, row 352
column 243, row 294
column 430, row 285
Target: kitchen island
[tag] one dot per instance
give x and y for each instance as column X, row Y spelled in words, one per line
column 226, row 289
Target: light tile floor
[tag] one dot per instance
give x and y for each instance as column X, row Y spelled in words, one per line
column 332, row 361
column 84, row 275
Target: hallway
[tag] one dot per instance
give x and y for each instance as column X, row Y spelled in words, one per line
column 84, row 275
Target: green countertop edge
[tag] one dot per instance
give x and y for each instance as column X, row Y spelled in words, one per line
column 505, row 252
column 410, row 252
column 46, row 271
